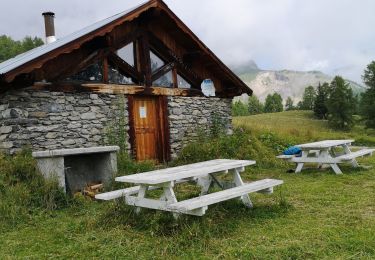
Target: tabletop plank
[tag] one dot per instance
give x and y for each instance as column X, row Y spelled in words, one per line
column 183, row 172
column 324, row 144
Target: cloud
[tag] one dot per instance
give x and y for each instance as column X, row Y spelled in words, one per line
column 334, row 36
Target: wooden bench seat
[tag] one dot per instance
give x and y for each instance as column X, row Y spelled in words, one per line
column 353, row 155
column 283, row 156
column 187, row 206
column 112, row 195
column 117, row 193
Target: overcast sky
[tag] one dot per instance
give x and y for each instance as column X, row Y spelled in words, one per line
column 334, row 36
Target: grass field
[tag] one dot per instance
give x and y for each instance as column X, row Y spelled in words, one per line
column 314, row 215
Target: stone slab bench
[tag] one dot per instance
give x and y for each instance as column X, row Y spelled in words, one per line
column 191, row 205
column 75, row 151
column 78, row 167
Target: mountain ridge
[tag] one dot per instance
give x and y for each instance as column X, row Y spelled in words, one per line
column 288, row 83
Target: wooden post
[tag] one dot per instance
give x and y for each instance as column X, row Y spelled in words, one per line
column 105, row 70
column 174, row 77
column 143, row 59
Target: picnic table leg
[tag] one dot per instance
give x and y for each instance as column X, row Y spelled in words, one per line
column 205, row 183
column 238, row 182
column 141, row 194
column 300, row 165
column 323, row 155
column 348, row 151
column 336, row 168
column 170, row 196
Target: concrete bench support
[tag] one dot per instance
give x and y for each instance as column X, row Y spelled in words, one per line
column 76, row 168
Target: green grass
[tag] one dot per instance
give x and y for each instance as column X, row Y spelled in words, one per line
column 314, row 215
column 301, row 126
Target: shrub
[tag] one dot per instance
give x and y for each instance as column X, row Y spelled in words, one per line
column 116, row 130
column 241, row 145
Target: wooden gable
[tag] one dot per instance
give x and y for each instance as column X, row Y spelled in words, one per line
column 152, row 30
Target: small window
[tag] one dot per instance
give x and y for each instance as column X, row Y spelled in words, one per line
column 182, row 83
column 93, row 73
column 156, row 62
column 116, row 77
column 165, row 81
column 127, row 54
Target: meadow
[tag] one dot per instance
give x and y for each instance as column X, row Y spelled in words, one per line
column 313, row 215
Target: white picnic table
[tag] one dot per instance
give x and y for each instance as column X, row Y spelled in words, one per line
column 203, row 174
column 323, row 153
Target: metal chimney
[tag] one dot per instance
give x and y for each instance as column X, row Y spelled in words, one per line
column 49, row 22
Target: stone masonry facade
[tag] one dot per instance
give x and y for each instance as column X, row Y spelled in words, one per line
column 42, row 120
column 55, row 120
column 189, row 115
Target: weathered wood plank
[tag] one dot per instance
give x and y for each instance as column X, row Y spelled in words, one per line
column 117, row 193
column 116, row 89
column 189, row 172
column 206, row 200
column 353, row 155
column 324, row 144
column 157, row 205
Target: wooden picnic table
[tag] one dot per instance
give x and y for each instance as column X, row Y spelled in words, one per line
column 323, row 152
column 203, row 174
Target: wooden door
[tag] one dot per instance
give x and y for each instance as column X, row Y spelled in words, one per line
column 148, row 127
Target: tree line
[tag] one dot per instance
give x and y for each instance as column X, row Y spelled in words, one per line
column 334, row 101
column 10, row 48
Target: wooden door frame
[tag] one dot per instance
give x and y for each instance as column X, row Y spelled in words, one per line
column 163, row 144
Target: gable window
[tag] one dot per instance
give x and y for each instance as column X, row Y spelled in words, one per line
column 93, row 73
column 116, row 77
column 182, row 83
column 156, row 62
column 165, row 81
column 127, row 54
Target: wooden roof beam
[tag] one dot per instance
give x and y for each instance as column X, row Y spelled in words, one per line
column 162, row 70
column 89, row 60
column 124, row 67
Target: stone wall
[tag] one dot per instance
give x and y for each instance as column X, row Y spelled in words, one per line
column 190, row 115
column 55, row 120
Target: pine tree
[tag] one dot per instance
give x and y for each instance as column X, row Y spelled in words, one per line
column 289, row 104
column 255, row 106
column 367, row 104
column 320, row 106
column 340, row 104
column 308, row 99
column 239, row 109
column 274, row 103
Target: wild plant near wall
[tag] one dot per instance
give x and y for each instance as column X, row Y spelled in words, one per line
column 217, row 126
column 116, row 130
column 241, row 145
